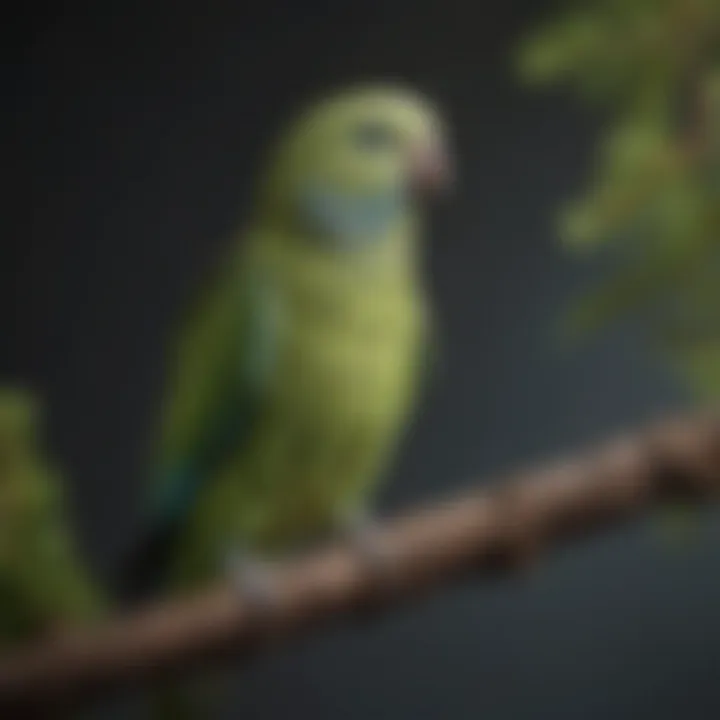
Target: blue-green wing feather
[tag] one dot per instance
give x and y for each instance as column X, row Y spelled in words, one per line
column 242, row 364
column 225, row 364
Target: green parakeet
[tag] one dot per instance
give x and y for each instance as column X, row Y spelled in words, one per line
column 43, row 585
column 296, row 375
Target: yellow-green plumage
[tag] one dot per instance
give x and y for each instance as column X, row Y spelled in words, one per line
column 347, row 362
column 44, row 586
column 295, row 379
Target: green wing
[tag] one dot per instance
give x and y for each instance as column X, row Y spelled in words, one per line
column 225, row 363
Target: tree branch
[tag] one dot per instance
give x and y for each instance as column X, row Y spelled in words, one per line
column 496, row 529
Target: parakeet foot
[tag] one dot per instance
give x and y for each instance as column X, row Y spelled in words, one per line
column 361, row 531
column 253, row 580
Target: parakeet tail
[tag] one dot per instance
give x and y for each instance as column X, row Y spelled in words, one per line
column 143, row 569
column 192, row 698
column 172, row 704
column 678, row 525
column 145, row 565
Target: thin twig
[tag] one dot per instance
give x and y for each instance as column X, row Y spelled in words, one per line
column 490, row 530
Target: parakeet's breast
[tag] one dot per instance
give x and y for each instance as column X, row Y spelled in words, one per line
column 344, row 378
column 345, row 384
column 349, row 350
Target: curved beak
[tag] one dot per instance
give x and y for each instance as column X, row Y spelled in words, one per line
column 431, row 170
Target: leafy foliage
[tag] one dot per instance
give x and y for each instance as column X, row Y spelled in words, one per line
column 652, row 208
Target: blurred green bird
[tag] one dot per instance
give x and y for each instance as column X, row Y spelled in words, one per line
column 44, row 586
column 296, row 376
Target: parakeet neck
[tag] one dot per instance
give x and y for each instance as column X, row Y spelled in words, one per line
column 393, row 253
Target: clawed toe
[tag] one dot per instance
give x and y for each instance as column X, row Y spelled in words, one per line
column 253, row 579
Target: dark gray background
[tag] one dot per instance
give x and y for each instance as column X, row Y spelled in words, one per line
column 132, row 137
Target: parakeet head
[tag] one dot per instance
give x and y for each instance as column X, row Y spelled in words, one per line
column 358, row 163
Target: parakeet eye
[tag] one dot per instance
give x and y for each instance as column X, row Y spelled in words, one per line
column 373, row 136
